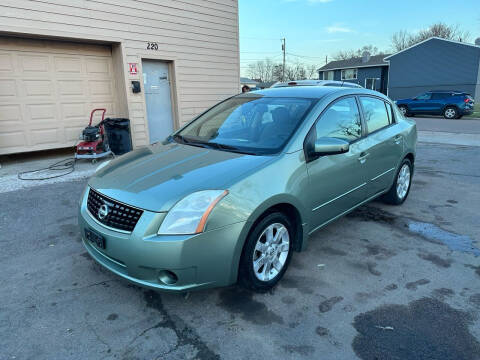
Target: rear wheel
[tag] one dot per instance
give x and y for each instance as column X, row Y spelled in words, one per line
column 450, row 113
column 267, row 253
column 401, row 186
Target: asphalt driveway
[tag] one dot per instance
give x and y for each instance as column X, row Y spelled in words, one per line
column 382, row 283
column 440, row 124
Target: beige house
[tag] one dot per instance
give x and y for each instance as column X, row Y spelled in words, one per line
column 59, row 59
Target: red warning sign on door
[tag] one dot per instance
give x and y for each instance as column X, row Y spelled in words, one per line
column 133, row 68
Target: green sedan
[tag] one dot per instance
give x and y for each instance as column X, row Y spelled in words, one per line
column 233, row 194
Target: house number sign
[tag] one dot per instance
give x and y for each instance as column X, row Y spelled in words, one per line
column 152, row 46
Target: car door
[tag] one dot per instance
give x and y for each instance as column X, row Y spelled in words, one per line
column 437, row 102
column 336, row 182
column 420, row 104
column 384, row 144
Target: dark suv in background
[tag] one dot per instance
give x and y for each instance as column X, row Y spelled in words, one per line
column 451, row 104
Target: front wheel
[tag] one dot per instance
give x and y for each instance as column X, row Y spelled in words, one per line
column 450, row 113
column 267, row 253
column 401, row 186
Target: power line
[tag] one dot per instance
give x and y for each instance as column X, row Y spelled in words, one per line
column 259, row 38
column 259, row 59
column 258, row 52
column 306, row 56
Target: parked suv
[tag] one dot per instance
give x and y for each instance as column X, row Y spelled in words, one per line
column 451, row 104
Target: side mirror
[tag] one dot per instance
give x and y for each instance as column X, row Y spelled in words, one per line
column 330, row 146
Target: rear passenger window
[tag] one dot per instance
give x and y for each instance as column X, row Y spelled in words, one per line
column 390, row 113
column 375, row 113
column 341, row 121
column 439, row 96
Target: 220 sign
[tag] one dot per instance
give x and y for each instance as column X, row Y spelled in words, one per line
column 152, row 46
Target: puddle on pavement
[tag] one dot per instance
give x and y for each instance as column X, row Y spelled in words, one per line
column 435, row 234
column 424, row 329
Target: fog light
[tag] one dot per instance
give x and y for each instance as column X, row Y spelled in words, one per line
column 167, row 277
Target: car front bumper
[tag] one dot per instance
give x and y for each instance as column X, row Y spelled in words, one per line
column 202, row 260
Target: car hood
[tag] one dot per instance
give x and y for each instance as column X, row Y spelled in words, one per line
column 156, row 177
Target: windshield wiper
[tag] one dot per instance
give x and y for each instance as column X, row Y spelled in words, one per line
column 218, row 146
column 212, row 145
column 230, row 148
column 181, row 138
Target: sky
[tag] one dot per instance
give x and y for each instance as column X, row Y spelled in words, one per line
column 314, row 29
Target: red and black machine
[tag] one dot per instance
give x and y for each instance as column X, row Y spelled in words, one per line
column 95, row 142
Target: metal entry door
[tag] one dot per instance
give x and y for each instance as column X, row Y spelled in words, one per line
column 156, row 81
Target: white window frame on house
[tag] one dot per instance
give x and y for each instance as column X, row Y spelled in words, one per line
column 374, row 82
column 354, row 77
column 325, row 75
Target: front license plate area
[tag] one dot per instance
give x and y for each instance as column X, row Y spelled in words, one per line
column 95, row 238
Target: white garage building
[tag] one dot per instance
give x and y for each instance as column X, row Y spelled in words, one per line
column 60, row 59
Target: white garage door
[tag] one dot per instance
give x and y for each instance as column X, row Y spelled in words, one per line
column 47, row 90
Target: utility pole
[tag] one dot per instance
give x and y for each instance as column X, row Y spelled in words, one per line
column 283, row 49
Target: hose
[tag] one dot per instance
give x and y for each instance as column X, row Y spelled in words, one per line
column 67, row 165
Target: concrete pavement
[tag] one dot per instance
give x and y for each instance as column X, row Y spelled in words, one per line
column 443, row 131
column 384, row 282
column 12, row 165
column 439, row 124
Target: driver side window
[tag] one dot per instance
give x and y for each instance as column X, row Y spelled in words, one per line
column 341, row 120
column 425, row 96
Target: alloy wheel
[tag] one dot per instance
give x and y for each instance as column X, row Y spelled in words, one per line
column 271, row 252
column 403, row 181
column 450, row 113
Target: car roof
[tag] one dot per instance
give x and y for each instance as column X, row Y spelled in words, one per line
column 447, row 91
column 313, row 92
column 314, row 83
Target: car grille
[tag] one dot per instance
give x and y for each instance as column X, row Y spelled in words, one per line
column 120, row 216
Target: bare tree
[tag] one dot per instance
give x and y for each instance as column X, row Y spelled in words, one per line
column 266, row 70
column 402, row 39
column 295, row 71
column 344, row 55
column 312, row 71
column 277, row 72
column 261, row 70
column 350, row 54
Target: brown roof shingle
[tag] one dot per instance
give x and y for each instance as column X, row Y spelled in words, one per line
column 376, row 60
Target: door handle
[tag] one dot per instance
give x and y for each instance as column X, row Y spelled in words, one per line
column 397, row 139
column 363, row 157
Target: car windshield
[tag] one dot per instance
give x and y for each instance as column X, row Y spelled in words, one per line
column 253, row 125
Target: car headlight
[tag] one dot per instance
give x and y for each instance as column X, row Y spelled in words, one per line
column 190, row 214
column 102, row 165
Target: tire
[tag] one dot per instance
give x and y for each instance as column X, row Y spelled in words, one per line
column 265, row 276
column 450, row 113
column 404, row 110
column 396, row 196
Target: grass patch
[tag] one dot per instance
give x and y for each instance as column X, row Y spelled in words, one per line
column 476, row 112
